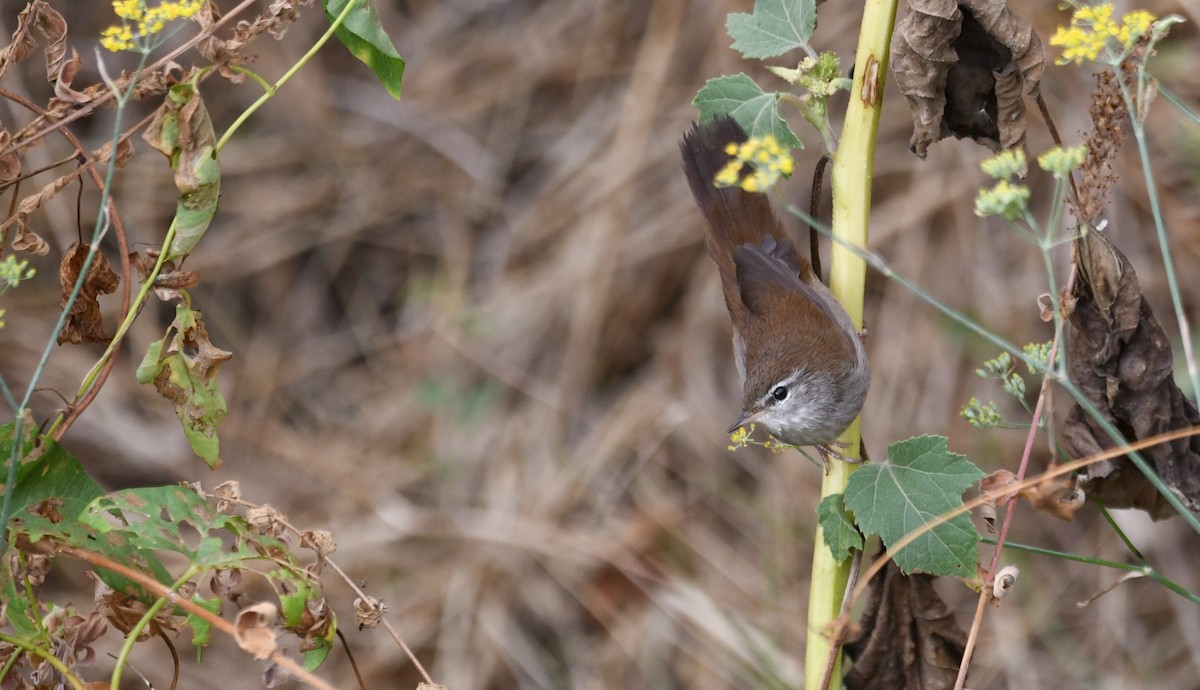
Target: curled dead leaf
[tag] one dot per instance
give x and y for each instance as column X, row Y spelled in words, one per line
column 320, row 541
column 1121, row 359
column 29, row 241
column 226, row 494
column 254, row 629
column 124, row 611
column 907, row 636
column 267, row 520
column 369, row 612
column 84, row 323
column 965, row 67
column 10, row 163
column 40, row 16
column 224, row 582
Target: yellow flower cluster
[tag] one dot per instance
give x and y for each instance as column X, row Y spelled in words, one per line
column 769, row 162
column 1092, row 28
column 140, row 21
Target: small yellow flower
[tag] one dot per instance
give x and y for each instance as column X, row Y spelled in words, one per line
column 140, row 22
column 769, row 161
column 1093, row 29
column 1005, row 198
column 740, row 437
column 1006, row 164
column 1062, row 161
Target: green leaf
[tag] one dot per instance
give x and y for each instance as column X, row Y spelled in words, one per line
column 183, row 368
column 754, row 109
column 56, row 485
column 55, row 474
column 774, row 28
column 201, row 628
column 183, row 131
column 364, row 37
column 920, row 481
column 841, row 536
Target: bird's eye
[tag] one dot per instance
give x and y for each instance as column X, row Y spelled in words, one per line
column 779, row 393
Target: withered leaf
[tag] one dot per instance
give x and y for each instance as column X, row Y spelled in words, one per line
column 29, row 241
column 1120, row 357
column 965, row 66
column 183, row 131
column 84, row 323
column 35, row 201
column 183, row 368
column 908, row 638
column 62, row 82
column 125, row 612
column 254, row 629
column 10, row 163
column 50, row 24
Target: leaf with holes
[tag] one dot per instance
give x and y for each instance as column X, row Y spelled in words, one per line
column 920, row 481
column 182, row 130
column 183, row 367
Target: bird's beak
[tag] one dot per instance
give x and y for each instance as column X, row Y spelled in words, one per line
column 745, row 420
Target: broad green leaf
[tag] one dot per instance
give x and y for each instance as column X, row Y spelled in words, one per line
column 754, row 109
column 774, row 28
column 183, row 368
column 920, row 481
column 173, row 518
column 183, row 131
column 841, row 536
column 57, row 488
column 364, row 37
column 55, row 474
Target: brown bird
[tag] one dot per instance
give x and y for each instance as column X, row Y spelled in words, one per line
column 802, row 364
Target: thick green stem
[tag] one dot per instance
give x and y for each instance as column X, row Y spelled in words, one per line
column 852, row 173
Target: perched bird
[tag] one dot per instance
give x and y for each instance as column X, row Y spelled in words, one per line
column 802, row 363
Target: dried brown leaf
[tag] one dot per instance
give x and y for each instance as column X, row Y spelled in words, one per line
column 1120, row 357
column 29, row 241
column 10, row 163
column 124, row 611
column 965, row 68
column 33, row 202
column 908, row 637
column 62, row 82
column 254, row 629
column 369, row 612
column 84, row 323
column 50, row 24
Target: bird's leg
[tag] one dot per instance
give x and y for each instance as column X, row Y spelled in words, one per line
column 829, row 450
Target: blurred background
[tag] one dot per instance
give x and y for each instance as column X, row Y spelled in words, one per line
column 476, row 336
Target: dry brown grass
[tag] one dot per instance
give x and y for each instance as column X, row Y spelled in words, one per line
column 477, row 337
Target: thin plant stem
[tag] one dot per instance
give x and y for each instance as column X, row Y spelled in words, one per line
column 97, row 233
column 45, row 654
column 1133, row 102
column 272, row 90
column 977, row 620
column 159, row 589
column 1150, row 572
column 131, row 637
